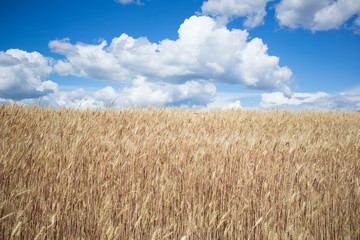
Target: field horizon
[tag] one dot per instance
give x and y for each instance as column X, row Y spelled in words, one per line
column 170, row 173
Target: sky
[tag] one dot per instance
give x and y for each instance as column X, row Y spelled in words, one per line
column 260, row 54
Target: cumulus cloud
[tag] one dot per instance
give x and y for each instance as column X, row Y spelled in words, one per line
column 23, row 75
column 205, row 51
column 64, row 68
column 317, row 15
column 140, row 93
column 226, row 10
column 348, row 101
column 148, row 93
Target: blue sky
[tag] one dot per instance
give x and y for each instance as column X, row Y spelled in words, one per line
column 197, row 54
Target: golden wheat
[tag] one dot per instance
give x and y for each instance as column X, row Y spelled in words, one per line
column 156, row 173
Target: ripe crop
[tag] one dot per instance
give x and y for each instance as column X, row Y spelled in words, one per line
column 167, row 173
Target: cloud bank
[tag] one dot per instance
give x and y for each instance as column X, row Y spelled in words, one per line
column 141, row 93
column 205, row 51
column 347, row 101
column 183, row 72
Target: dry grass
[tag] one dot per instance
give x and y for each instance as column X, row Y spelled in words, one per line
column 170, row 173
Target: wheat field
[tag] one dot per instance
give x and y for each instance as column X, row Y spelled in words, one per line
column 168, row 173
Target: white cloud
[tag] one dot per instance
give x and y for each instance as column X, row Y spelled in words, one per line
column 149, row 93
column 226, row 10
column 294, row 13
column 64, row 68
column 90, row 61
column 228, row 100
column 124, row 2
column 357, row 21
column 140, row 93
column 204, row 51
column 336, row 14
column 348, row 101
column 317, row 15
column 234, row 105
column 192, row 95
column 270, row 100
column 22, row 75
